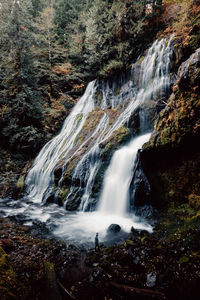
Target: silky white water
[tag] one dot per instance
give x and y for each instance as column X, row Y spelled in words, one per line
column 149, row 81
column 113, row 203
column 114, row 197
column 40, row 177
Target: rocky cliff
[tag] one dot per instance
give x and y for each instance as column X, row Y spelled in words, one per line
column 171, row 158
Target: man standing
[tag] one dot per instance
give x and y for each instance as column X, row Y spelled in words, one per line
column 97, row 242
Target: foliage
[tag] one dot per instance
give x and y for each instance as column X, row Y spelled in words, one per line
column 20, row 98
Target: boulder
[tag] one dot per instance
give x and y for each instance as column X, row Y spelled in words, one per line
column 151, row 280
column 114, row 228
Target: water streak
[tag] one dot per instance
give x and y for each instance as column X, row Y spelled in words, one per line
column 115, row 195
column 40, row 178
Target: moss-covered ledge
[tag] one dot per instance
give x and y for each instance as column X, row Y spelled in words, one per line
column 171, row 159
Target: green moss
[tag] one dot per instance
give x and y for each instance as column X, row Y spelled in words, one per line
column 20, row 183
column 100, row 99
column 63, row 193
column 129, row 243
column 194, row 201
column 141, row 60
column 120, row 135
column 51, row 289
column 183, row 259
column 48, row 267
column 79, row 117
column 70, row 167
column 89, row 125
column 3, row 257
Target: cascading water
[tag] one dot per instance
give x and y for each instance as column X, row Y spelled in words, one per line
column 150, row 80
column 115, row 194
column 40, row 178
column 78, row 148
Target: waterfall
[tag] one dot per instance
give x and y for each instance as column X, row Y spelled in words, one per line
column 88, row 162
column 115, row 194
column 40, row 178
column 99, row 114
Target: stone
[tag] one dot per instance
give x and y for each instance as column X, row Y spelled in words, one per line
column 140, row 191
column 151, row 279
column 188, row 72
column 114, row 228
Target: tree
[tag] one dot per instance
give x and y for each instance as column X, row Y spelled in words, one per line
column 45, row 34
column 20, row 98
column 112, row 30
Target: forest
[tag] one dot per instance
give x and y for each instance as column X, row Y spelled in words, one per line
column 81, row 84
column 49, row 51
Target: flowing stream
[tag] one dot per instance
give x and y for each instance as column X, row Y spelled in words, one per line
column 149, row 80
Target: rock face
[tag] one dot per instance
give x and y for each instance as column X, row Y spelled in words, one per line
column 189, row 71
column 140, row 191
column 171, row 159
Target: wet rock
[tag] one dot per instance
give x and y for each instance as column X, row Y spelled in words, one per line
column 151, row 279
column 74, row 199
column 39, row 229
column 140, row 189
column 50, row 199
column 129, row 243
column 189, row 71
column 145, row 211
column 171, row 158
column 114, row 228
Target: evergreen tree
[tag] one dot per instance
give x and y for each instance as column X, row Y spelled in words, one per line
column 20, row 98
column 112, row 31
column 67, row 16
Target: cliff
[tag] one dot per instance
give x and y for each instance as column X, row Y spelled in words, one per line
column 171, row 158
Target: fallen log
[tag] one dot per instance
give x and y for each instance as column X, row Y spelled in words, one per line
column 65, row 290
column 151, row 294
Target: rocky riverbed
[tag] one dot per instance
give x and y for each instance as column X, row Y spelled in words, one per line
column 161, row 265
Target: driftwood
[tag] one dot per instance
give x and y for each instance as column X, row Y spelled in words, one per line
column 151, row 294
column 65, row 290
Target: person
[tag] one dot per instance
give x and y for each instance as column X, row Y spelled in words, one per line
column 97, row 242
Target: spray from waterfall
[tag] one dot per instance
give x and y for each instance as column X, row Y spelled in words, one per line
column 81, row 148
column 79, row 151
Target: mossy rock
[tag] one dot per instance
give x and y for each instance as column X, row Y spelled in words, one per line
column 20, row 183
column 89, row 126
column 117, row 138
column 68, row 173
column 74, row 199
column 63, row 195
column 79, row 117
column 98, row 98
column 141, row 60
column 194, row 201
